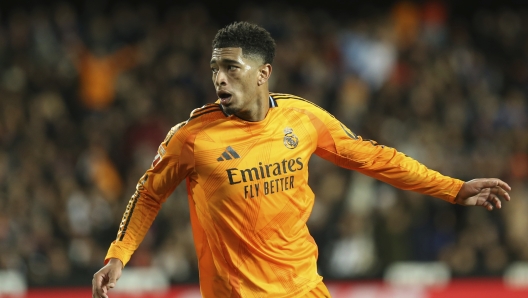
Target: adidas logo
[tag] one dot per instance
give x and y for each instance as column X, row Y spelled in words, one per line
column 228, row 154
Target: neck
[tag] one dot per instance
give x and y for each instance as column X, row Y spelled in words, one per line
column 258, row 110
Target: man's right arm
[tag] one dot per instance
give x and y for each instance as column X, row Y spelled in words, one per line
column 168, row 169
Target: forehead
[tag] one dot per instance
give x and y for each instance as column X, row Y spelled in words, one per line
column 220, row 54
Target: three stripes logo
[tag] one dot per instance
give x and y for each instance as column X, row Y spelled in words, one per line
column 228, row 154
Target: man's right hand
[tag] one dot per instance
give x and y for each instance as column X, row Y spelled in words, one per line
column 106, row 278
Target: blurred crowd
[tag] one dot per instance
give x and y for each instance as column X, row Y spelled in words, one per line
column 86, row 96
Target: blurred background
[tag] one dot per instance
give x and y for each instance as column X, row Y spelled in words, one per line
column 89, row 89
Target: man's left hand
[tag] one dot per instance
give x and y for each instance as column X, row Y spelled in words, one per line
column 485, row 192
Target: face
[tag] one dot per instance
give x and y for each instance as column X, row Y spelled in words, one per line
column 236, row 80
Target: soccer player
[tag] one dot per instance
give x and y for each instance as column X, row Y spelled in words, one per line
column 245, row 162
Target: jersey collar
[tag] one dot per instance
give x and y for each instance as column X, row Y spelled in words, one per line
column 273, row 102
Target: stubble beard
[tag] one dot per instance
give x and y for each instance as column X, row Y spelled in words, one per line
column 230, row 110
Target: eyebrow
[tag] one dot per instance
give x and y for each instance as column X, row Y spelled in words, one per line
column 224, row 60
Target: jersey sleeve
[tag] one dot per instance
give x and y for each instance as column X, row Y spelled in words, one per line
column 336, row 143
column 168, row 169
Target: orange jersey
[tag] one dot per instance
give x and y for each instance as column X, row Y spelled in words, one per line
column 249, row 197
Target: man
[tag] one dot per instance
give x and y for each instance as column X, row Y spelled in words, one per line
column 245, row 161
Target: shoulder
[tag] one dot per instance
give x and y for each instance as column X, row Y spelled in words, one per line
column 285, row 100
column 212, row 108
column 204, row 115
column 197, row 119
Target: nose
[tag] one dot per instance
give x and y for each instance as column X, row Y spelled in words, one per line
column 220, row 78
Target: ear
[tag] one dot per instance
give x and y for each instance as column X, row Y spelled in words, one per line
column 264, row 74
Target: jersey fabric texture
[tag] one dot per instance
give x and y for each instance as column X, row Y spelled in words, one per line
column 249, row 197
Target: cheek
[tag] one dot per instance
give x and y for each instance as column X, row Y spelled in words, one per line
column 249, row 82
column 247, row 87
column 244, row 82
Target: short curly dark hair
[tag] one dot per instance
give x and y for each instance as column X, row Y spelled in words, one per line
column 253, row 39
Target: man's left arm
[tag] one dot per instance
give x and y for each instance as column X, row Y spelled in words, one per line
column 341, row 146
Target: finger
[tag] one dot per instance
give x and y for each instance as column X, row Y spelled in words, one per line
column 112, row 280
column 504, row 185
column 98, row 289
column 96, row 284
column 105, row 292
column 493, row 182
column 505, row 195
column 101, row 293
column 488, row 206
column 501, row 192
column 495, row 201
column 93, row 288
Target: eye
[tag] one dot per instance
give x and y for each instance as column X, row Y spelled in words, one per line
column 231, row 67
column 214, row 70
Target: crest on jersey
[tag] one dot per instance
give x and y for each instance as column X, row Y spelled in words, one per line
column 290, row 139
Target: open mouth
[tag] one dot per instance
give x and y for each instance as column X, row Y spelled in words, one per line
column 224, row 96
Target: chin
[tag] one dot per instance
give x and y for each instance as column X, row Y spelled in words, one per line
column 230, row 109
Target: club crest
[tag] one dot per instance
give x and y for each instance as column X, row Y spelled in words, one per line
column 290, row 139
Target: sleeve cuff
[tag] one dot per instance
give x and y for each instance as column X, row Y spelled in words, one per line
column 117, row 252
column 454, row 191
